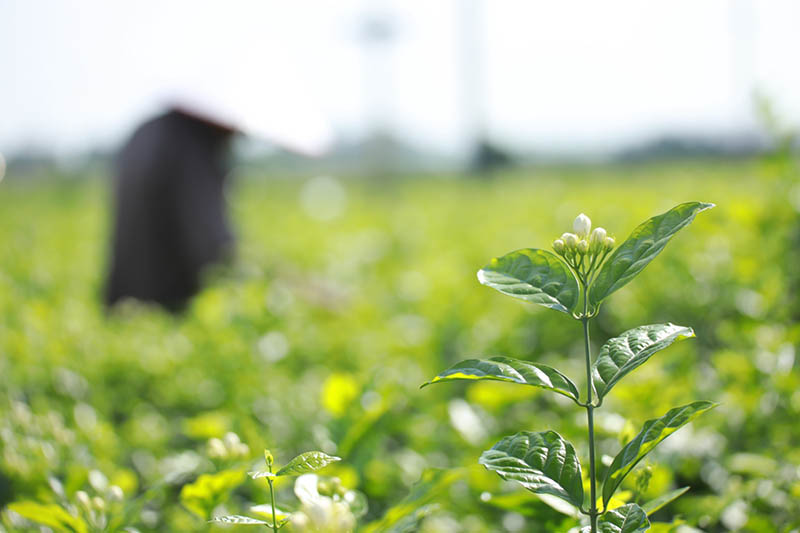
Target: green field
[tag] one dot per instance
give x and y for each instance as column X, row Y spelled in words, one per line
column 321, row 332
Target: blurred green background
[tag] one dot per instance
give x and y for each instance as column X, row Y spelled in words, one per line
column 448, row 133
column 347, row 294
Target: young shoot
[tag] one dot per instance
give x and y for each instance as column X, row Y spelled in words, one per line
column 304, row 463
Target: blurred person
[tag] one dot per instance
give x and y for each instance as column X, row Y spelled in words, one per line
column 170, row 215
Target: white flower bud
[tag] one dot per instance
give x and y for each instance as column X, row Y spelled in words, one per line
column 98, row 480
column 231, row 440
column 582, row 225
column 570, row 240
column 56, row 486
column 609, row 242
column 598, row 235
column 83, row 499
column 243, row 450
column 558, row 246
column 216, row 448
column 99, row 503
column 583, row 247
column 115, row 493
column 596, row 240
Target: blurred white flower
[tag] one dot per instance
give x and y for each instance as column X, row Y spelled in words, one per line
column 273, row 346
column 319, row 514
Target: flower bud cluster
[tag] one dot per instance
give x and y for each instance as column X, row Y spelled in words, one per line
column 229, row 447
column 97, row 509
column 585, row 248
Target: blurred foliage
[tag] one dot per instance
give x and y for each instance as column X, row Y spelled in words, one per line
column 341, row 305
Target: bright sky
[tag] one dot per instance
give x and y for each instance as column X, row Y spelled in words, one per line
column 566, row 75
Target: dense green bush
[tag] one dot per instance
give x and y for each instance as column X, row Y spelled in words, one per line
column 319, row 336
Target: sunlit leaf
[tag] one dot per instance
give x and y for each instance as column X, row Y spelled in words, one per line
column 209, row 490
column 50, row 515
column 261, row 474
column 542, row 462
column 625, row 353
column 657, row 503
column 307, row 462
column 653, row 432
column 241, row 520
column 511, row 371
column 533, row 275
column 641, row 247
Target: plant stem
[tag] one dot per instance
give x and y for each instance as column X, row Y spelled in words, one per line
column 272, row 497
column 589, row 413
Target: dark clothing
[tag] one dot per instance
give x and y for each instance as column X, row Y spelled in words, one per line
column 170, row 219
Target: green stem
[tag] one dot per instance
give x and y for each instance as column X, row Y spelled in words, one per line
column 589, row 413
column 272, row 497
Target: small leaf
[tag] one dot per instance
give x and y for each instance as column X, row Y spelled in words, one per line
column 641, row 247
column 629, row 518
column 265, row 509
column 241, row 520
column 657, row 503
column 543, row 463
column 536, row 276
column 50, row 515
column 307, row 462
column 653, row 432
column 261, row 473
column 512, row 371
column 625, row 353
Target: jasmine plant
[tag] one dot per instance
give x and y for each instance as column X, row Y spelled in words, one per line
column 585, row 269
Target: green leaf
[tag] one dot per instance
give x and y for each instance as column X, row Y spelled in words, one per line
column 210, row 490
column 625, row 353
column 50, row 515
column 511, row 371
column 258, row 474
column 641, row 247
column 241, row 520
column 536, row 276
column 657, row 503
column 542, row 462
column 629, row 518
column 653, row 432
column 265, row 510
column 307, row 462
column 406, row 515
